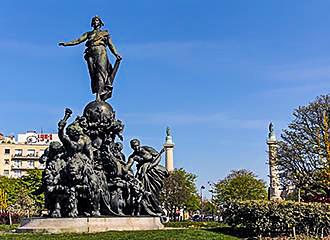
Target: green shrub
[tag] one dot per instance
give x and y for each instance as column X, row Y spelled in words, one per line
column 273, row 218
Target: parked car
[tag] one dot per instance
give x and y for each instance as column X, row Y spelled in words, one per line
column 196, row 218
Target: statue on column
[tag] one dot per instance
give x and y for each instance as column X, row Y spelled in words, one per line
column 271, row 134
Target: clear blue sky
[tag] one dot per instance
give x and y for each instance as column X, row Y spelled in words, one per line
column 216, row 72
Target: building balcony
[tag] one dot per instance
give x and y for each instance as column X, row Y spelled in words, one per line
column 17, row 167
column 29, row 156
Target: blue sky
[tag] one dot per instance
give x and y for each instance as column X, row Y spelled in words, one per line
column 217, row 72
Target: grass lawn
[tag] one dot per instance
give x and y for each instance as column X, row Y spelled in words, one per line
column 175, row 234
column 6, row 227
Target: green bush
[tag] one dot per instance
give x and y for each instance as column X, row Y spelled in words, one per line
column 274, row 218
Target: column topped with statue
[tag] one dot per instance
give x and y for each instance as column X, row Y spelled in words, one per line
column 274, row 180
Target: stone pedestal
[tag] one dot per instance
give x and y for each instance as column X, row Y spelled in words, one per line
column 89, row 225
column 274, row 181
column 169, row 156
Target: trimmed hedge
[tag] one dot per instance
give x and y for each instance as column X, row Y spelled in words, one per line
column 275, row 218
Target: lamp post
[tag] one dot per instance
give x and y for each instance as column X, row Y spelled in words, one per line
column 202, row 188
column 211, row 184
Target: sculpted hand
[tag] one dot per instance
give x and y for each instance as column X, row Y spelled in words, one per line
column 119, row 57
column 121, row 137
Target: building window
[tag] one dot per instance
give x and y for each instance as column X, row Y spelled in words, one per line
column 17, row 173
column 18, row 152
column 6, row 161
column 30, row 163
column 6, row 172
column 7, row 151
column 17, row 163
column 31, row 152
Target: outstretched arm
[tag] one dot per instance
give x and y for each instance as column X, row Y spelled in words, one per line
column 74, row 42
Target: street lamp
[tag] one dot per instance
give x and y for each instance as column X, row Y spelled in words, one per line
column 211, row 184
column 202, row 187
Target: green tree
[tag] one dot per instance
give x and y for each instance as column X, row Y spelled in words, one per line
column 209, row 207
column 32, row 182
column 24, row 205
column 239, row 185
column 20, row 192
column 180, row 191
column 304, row 152
column 193, row 203
column 11, row 186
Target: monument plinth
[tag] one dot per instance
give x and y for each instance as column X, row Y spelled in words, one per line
column 89, row 225
column 87, row 177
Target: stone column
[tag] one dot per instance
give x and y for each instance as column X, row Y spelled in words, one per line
column 169, row 146
column 274, row 181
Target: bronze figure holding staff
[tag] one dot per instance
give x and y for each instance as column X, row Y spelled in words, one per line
column 101, row 72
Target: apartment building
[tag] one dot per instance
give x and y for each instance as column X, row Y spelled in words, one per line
column 18, row 156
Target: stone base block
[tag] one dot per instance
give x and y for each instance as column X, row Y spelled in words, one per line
column 89, row 224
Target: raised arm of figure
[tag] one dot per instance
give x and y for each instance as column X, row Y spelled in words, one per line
column 61, row 125
column 83, row 38
column 63, row 138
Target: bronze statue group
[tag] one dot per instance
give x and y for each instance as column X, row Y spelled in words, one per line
column 86, row 174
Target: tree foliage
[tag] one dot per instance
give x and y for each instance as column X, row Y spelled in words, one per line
column 32, row 182
column 193, row 203
column 180, row 191
column 20, row 192
column 239, row 185
column 11, row 186
column 208, row 207
column 304, row 152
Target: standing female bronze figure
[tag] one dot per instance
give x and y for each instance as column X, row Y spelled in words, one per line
column 100, row 70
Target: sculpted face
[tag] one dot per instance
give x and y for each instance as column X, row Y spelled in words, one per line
column 96, row 23
column 73, row 135
column 119, row 146
column 135, row 145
